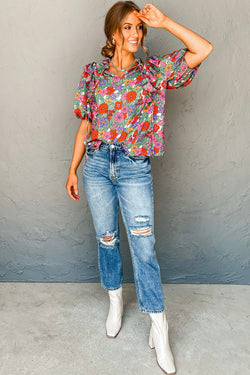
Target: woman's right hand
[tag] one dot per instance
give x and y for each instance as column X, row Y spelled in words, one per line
column 72, row 186
column 79, row 150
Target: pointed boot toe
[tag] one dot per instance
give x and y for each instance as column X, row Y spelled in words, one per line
column 159, row 340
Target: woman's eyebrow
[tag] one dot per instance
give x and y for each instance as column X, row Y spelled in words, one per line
column 127, row 23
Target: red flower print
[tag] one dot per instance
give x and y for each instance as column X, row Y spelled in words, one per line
column 145, row 126
column 77, row 112
column 156, row 128
column 138, row 79
column 103, row 108
column 156, row 150
column 134, row 119
column 113, row 134
column 86, row 75
column 118, row 105
column 131, row 95
column 84, row 99
column 110, row 90
column 123, row 136
column 144, row 151
column 155, row 110
column 94, row 134
column 164, row 84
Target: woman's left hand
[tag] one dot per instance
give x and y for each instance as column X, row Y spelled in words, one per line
column 151, row 15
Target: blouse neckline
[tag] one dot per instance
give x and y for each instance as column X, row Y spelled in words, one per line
column 106, row 62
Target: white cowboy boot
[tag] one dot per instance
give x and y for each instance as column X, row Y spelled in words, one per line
column 158, row 339
column 114, row 319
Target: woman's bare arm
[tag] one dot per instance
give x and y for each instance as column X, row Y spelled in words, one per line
column 198, row 47
column 79, row 150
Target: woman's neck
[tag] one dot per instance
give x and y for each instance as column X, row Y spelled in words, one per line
column 122, row 60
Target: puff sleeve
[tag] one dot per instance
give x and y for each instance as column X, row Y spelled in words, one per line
column 172, row 70
column 81, row 107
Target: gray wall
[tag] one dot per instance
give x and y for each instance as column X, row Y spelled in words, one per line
column 201, row 185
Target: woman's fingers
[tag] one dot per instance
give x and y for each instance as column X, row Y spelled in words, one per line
column 74, row 192
column 143, row 18
column 146, row 9
column 152, row 16
column 72, row 187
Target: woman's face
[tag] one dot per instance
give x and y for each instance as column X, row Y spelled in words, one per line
column 132, row 33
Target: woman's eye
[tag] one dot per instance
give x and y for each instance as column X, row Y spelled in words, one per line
column 129, row 27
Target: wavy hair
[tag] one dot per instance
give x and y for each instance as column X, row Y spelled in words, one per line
column 113, row 21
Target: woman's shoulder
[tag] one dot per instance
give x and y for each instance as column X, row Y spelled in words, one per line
column 95, row 67
column 90, row 67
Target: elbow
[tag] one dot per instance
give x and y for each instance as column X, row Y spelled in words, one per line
column 206, row 52
column 209, row 49
column 196, row 58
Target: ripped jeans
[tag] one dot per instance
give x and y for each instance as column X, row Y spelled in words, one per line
column 111, row 177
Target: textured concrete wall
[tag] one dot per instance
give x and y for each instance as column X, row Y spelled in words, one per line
column 201, row 185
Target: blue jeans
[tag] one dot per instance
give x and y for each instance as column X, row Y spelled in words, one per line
column 112, row 177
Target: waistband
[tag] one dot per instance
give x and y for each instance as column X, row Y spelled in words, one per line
column 112, row 146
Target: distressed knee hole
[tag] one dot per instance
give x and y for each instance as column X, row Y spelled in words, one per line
column 141, row 219
column 141, row 232
column 108, row 240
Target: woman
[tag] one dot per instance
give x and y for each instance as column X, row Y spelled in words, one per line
column 121, row 106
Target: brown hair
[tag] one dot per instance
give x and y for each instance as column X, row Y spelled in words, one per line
column 113, row 21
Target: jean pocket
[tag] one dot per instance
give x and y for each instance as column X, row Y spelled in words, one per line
column 91, row 151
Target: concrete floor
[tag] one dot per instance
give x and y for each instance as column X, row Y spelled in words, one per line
column 59, row 328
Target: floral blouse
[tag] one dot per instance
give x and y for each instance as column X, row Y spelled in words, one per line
column 130, row 109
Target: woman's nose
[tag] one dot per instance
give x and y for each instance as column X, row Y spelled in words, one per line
column 135, row 32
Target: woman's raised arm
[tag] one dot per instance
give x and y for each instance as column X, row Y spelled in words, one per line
column 198, row 47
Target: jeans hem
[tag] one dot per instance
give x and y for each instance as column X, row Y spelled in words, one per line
column 104, row 287
column 152, row 311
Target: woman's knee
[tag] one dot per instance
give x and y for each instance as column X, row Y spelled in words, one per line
column 109, row 238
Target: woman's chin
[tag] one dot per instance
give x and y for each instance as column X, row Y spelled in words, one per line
column 132, row 48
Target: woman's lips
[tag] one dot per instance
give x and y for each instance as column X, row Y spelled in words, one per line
column 134, row 42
